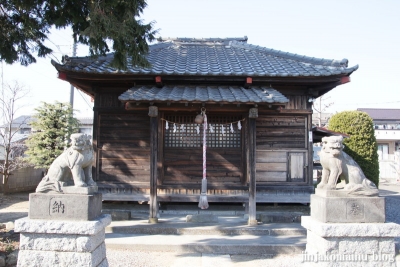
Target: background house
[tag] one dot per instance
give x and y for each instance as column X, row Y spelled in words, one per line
column 22, row 125
column 387, row 133
column 17, row 138
column 86, row 126
column 324, row 118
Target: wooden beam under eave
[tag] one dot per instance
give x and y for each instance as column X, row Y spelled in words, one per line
column 85, row 80
column 123, row 77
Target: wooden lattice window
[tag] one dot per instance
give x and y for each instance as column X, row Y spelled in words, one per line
column 186, row 134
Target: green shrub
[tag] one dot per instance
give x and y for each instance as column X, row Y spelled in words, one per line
column 361, row 145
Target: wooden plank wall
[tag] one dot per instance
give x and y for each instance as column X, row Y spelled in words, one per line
column 274, row 131
column 124, row 148
column 277, row 136
column 185, row 166
column 297, row 102
column 271, row 166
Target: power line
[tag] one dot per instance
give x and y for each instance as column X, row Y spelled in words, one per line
column 56, row 32
column 83, row 97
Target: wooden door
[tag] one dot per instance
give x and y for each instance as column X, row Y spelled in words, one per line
column 296, row 166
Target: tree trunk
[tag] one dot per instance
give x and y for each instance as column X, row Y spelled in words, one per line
column 6, row 165
column 5, row 184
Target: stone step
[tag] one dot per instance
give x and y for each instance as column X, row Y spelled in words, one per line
column 214, row 244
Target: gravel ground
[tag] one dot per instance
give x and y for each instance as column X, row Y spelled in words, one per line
column 13, row 206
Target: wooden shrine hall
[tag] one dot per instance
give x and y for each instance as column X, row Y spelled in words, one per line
column 257, row 144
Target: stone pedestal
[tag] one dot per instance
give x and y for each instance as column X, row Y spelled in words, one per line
column 75, row 207
column 349, row 244
column 336, row 206
column 346, row 230
column 63, row 230
column 62, row 243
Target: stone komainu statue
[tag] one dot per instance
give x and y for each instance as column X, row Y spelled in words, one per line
column 337, row 164
column 74, row 164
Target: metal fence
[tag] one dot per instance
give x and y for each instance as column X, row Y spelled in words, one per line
column 390, row 168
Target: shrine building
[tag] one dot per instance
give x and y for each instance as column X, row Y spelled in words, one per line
column 257, row 103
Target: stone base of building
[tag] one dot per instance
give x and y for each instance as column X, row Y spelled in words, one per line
column 62, row 243
column 349, row 244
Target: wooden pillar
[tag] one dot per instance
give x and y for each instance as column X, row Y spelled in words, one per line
column 160, row 155
column 253, row 114
column 153, row 113
column 95, row 134
column 309, row 171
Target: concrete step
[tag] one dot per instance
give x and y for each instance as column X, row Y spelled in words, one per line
column 213, row 244
column 264, row 217
column 265, row 214
column 226, row 226
column 229, row 235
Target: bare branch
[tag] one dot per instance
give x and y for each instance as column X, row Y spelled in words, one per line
column 12, row 150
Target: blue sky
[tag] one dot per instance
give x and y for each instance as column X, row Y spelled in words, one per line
column 365, row 32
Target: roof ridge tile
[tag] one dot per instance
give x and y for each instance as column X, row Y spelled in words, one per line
column 202, row 40
column 297, row 57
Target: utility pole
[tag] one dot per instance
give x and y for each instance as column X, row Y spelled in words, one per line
column 321, row 109
column 319, row 113
column 71, row 94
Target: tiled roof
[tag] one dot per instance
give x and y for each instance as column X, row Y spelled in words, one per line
column 382, row 113
column 15, row 138
column 228, row 94
column 215, row 57
column 21, row 122
column 24, row 121
column 320, row 132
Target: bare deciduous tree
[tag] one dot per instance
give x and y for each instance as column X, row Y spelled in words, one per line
column 12, row 150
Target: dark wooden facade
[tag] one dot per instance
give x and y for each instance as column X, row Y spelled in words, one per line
column 268, row 160
column 123, row 144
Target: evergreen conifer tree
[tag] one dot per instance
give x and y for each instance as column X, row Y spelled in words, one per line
column 25, row 25
column 52, row 125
